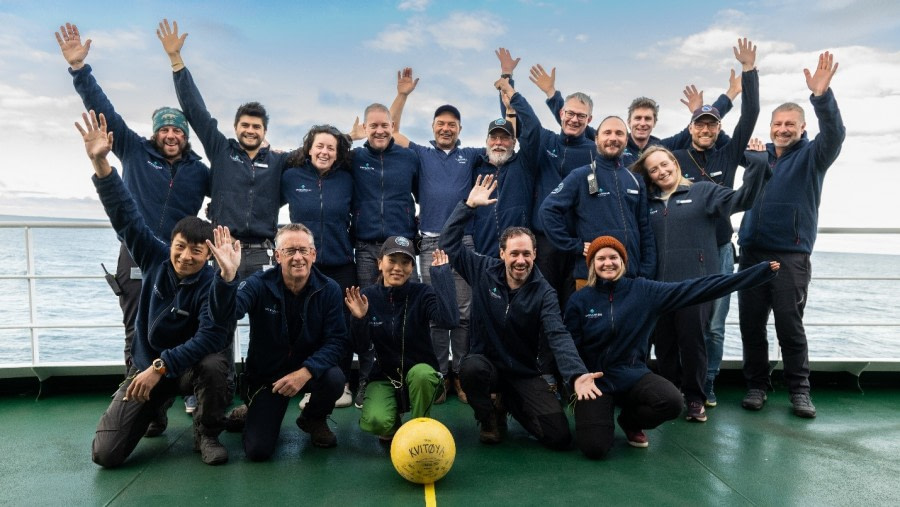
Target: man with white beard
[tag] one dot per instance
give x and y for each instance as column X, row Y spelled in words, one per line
column 514, row 171
column 607, row 200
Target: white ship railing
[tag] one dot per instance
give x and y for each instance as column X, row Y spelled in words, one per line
column 45, row 369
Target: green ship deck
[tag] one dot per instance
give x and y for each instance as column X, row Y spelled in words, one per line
column 846, row 456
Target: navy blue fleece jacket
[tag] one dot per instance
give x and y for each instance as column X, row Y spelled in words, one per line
column 383, row 186
column 520, row 331
column 273, row 352
column 397, row 322
column 785, row 217
column 172, row 322
column 619, row 209
column 245, row 193
column 323, row 204
column 612, row 321
column 163, row 192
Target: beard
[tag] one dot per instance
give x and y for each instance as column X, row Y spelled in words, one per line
column 611, row 152
column 497, row 158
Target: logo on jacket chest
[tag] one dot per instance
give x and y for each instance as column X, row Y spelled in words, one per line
column 302, row 189
column 367, row 167
column 593, row 314
column 271, row 310
column 494, row 293
column 235, row 157
column 155, row 164
column 374, row 322
column 552, row 153
column 461, row 160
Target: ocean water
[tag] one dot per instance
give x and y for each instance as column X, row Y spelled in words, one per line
column 90, row 302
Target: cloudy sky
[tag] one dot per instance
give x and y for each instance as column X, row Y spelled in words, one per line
column 315, row 62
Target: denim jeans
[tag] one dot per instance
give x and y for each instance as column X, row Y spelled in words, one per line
column 456, row 339
column 715, row 332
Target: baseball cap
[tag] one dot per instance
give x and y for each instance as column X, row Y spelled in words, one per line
column 706, row 110
column 398, row 244
column 447, row 108
column 501, row 124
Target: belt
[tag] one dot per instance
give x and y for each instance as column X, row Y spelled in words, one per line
column 264, row 245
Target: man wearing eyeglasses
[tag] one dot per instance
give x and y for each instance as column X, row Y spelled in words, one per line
column 297, row 336
column 643, row 113
column 560, row 152
column 704, row 160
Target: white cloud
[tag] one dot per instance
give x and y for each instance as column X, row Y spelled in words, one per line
column 458, row 31
column 413, row 5
column 398, row 38
column 582, row 37
column 467, row 30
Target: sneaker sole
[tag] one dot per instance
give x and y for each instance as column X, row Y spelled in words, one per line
column 710, row 404
column 639, row 445
column 696, row 419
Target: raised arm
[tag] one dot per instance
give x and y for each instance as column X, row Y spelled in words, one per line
column 97, row 142
column 546, row 82
column 466, row 262
column 745, row 53
column 507, row 66
column 117, row 201
column 73, row 50
column 226, row 251
column 172, row 42
column 189, row 98
column 444, row 312
column 92, row 96
column 831, row 125
column 405, row 85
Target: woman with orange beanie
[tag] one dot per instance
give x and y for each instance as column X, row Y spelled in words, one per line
column 610, row 321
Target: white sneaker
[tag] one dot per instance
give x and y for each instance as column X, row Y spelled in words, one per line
column 346, row 399
column 304, row 401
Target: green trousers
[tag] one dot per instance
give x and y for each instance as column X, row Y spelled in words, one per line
column 380, row 415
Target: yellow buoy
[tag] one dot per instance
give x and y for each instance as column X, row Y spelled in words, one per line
column 423, row 450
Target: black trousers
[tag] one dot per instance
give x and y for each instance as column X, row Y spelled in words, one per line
column 652, row 401
column 681, row 349
column 128, row 301
column 345, row 276
column 785, row 296
column 532, row 401
column 124, row 423
column 266, row 410
column 556, row 266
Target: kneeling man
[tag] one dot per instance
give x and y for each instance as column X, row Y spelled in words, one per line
column 177, row 347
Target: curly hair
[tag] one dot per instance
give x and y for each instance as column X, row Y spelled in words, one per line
column 342, row 154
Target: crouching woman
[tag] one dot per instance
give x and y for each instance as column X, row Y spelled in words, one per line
column 393, row 314
column 610, row 321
